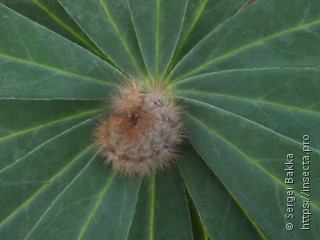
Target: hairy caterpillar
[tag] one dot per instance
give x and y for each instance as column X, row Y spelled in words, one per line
column 142, row 131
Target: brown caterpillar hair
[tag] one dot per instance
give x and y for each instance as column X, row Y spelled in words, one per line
column 142, row 131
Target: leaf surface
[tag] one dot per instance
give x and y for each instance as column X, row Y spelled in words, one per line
column 288, row 39
column 161, row 211
column 28, row 125
column 202, row 16
column 51, row 14
column 284, row 100
column 109, row 26
column 33, row 66
column 251, row 161
column 64, row 192
column 218, row 209
column 157, row 24
column 96, row 196
column 248, row 81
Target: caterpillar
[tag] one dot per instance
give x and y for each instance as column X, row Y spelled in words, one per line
column 143, row 129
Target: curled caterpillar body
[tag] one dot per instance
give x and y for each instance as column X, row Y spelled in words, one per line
column 142, row 130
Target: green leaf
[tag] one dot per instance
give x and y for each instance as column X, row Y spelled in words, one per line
column 93, row 199
column 51, row 14
column 28, row 125
column 250, row 161
column 157, row 25
column 58, row 192
column 248, row 81
column 40, row 184
column 289, row 38
column 198, row 229
column 217, row 208
column 31, row 180
column 162, row 211
column 284, row 100
column 109, row 26
column 45, row 187
column 32, row 66
column 201, row 17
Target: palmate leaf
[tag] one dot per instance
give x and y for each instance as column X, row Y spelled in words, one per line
column 256, row 162
column 247, row 79
column 270, row 37
column 109, row 25
column 157, row 25
column 159, row 198
column 217, row 209
column 46, row 73
column 52, row 15
column 201, row 17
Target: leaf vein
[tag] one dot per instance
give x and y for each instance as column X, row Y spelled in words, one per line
column 96, row 206
column 246, row 156
column 253, row 100
column 48, row 124
column 68, row 28
column 157, row 38
column 121, row 38
column 60, row 194
column 248, row 46
column 44, row 186
column 152, row 210
column 188, row 33
column 54, row 69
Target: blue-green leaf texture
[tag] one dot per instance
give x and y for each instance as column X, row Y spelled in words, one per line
column 246, row 74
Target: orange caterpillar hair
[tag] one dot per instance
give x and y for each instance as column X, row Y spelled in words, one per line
column 142, row 131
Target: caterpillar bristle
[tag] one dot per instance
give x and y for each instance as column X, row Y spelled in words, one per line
column 142, row 131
